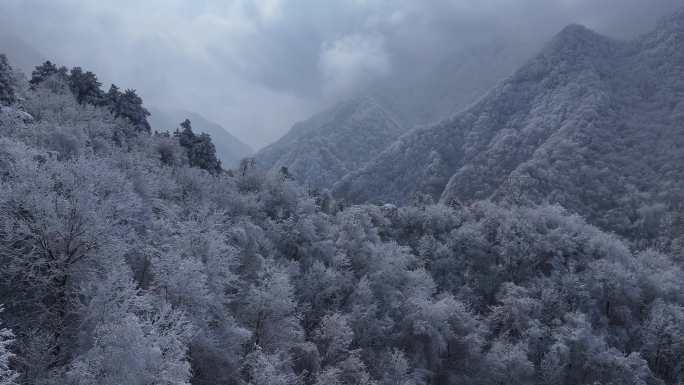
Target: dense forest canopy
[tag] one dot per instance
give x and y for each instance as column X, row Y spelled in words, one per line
column 133, row 257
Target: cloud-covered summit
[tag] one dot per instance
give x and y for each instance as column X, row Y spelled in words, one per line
column 256, row 66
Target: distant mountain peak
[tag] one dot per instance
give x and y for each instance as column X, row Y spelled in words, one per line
column 322, row 149
column 673, row 21
column 577, row 30
column 576, row 39
column 669, row 26
column 668, row 35
column 588, row 107
column 229, row 149
column 357, row 105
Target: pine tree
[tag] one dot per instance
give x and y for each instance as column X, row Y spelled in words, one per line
column 186, row 137
column 46, row 71
column 200, row 149
column 7, row 95
column 111, row 98
column 128, row 105
column 85, row 87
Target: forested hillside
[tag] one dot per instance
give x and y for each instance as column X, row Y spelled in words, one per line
column 229, row 149
column 591, row 123
column 130, row 257
column 320, row 151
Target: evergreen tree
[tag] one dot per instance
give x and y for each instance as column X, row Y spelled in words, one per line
column 131, row 107
column 200, row 149
column 186, row 137
column 7, row 95
column 128, row 105
column 46, row 71
column 85, row 87
column 111, row 98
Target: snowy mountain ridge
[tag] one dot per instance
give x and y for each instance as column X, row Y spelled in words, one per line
column 582, row 124
column 321, row 150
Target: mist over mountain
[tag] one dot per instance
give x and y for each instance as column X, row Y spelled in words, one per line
column 320, row 151
column 591, row 123
column 229, row 149
column 533, row 236
column 340, row 140
column 430, row 94
column 258, row 66
column 21, row 54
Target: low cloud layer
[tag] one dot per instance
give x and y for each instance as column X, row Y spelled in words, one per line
column 257, row 66
column 347, row 63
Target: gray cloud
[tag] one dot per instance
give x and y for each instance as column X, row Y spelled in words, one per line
column 351, row 61
column 256, row 66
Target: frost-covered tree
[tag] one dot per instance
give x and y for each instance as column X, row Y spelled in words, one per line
column 131, row 340
column 7, row 375
column 262, row 368
column 663, row 340
column 124, row 262
column 268, row 307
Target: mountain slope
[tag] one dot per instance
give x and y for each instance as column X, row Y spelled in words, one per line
column 591, row 123
column 229, row 149
column 319, row 151
column 414, row 95
column 428, row 94
column 21, row 55
column 122, row 263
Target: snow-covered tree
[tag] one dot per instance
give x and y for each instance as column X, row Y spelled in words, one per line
column 7, row 375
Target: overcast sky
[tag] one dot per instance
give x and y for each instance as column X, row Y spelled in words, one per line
column 257, row 66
